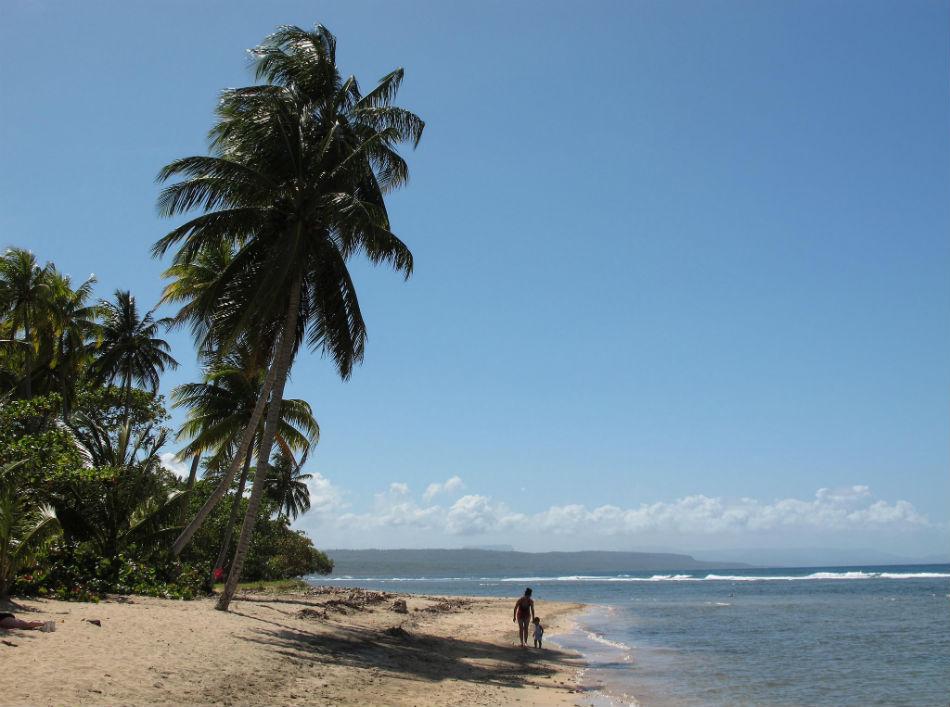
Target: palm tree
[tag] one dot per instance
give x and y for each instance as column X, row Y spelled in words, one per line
column 24, row 286
column 72, row 327
column 191, row 282
column 124, row 499
column 296, row 182
column 287, row 486
column 221, row 408
column 129, row 350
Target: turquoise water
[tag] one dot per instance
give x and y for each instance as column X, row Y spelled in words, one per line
column 804, row 636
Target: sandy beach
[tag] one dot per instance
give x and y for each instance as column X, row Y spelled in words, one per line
column 328, row 646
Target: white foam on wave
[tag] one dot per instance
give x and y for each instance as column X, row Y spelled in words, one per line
column 736, row 577
column 913, row 575
column 598, row 638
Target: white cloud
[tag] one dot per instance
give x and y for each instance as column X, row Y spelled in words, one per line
column 848, row 509
column 324, row 496
column 178, row 468
column 449, row 486
column 474, row 515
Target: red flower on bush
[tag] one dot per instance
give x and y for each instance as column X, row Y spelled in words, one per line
column 218, row 574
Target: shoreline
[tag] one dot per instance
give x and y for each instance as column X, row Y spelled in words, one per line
column 322, row 646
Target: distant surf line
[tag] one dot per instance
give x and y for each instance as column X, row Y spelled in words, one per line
column 662, row 578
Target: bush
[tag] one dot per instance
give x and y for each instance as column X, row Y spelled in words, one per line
column 74, row 572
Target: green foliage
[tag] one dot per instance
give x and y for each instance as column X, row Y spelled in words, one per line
column 109, row 406
column 30, row 434
column 287, row 485
column 86, row 506
column 74, row 571
column 276, row 552
column 25, row 527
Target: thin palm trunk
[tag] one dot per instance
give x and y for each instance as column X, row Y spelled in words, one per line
column 28, row 362
column 232, row 518
column 280, row 367
column 127, row 387
column 225, row 484
column 193, row 472
column 62, row 382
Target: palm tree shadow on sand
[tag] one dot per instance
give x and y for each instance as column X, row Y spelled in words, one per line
column 417, row 656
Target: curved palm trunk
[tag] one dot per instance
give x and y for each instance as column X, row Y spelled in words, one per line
column 280, row 368
column 189, row 485
column 232, row 518
column 222, row 488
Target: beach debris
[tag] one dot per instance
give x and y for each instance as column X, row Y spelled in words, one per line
column 8, row 643
column 340, row 601
column 94, row 622
column 448, row 606
column 398, row 632
column 312, row 614
column 399, row 606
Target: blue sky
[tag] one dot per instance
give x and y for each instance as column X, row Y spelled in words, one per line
column 679, row 266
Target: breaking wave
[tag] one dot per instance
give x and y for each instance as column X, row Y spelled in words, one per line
column 735, row 577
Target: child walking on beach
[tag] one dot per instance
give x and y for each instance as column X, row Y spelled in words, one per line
column 538, row 631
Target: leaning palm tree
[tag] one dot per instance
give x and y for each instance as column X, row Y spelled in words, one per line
column 24, row 287
column 221, row 408
column 191, row 281
column 129, row 350
column 296, row 182
column 287, row 485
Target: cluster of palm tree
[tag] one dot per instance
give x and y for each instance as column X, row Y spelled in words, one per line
column 56, row 336
column 58, row 341
column 293, row 188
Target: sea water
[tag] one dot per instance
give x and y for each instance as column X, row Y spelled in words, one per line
column 804, row 636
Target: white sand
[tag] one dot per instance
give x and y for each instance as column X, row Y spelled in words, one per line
column 284, row 650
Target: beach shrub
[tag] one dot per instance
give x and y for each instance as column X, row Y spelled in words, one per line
column 72, row 571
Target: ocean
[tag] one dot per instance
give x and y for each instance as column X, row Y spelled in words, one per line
column 802, row 636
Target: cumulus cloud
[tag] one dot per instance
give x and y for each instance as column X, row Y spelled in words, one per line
column 449, row 486
column 178, row 468
column 324, row 496
column 848, row 509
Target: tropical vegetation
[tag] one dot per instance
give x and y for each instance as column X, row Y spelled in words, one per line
column 293, row 189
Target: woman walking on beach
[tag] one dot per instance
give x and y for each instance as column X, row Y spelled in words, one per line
column 524, row 615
